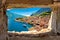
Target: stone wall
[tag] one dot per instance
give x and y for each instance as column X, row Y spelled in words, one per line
column 2, row 26
column 39, row 2
column 58, row 18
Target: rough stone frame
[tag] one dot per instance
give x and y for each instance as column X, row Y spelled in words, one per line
column 4, row 30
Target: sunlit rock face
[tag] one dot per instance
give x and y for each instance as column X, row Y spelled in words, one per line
column 28, row 19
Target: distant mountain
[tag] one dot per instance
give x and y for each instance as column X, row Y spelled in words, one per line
column 43, row 10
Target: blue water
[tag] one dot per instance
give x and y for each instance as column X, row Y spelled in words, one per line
column 20, row 13
column 17, row 26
